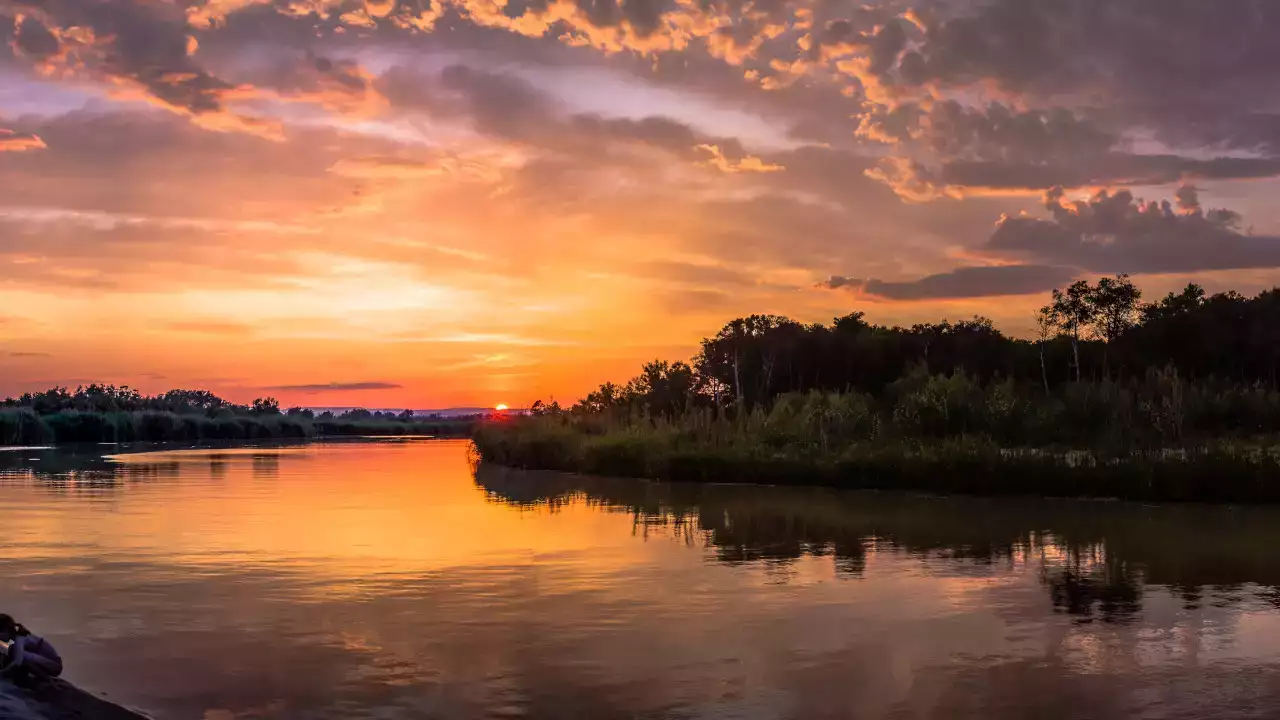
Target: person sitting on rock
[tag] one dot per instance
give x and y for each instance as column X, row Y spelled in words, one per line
column 31, row 657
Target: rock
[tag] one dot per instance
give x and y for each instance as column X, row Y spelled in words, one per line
column 58, row 700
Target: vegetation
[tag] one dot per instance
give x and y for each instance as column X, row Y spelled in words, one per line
column 105, row 413
column 1176, row 400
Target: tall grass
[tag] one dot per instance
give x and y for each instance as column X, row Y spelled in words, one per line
column 1155, row 439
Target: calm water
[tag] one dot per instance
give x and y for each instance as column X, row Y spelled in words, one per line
column 388, row 580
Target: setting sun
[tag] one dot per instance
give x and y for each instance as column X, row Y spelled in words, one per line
column 501, row 407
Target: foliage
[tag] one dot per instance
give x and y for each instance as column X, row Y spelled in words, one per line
column 106, row 413
column 1155, row 439
column 1088, row 332
column 1177, row 399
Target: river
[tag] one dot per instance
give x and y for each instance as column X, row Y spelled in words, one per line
column 394, row 580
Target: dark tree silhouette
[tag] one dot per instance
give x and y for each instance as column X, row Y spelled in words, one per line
column 1093, row 331
column 1073, row 313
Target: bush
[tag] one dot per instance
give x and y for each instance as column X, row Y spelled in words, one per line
column 22, row 426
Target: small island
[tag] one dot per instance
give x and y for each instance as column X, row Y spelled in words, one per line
column 1175, row 400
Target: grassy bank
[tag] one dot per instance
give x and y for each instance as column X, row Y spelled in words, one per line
column 24, row 426
column 1158, row 440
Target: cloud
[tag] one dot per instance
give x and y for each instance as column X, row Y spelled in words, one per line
column 387, row 168
column 691, row 273
column 994, row 132
column 99, row 220
column 341, row 85
column 1117, row 232
column 1077, row 81
column 500, row 104
column 959, row 151
column 654, row 130
column 1109, row 232
column 506, row 132
column 334, row 387
column 1112, row 169
column 836, row 282
column 11, row 141
column 746, row 163
column 29, row 355
column 135, row 49
column 34, row 40
column 965, row 282
column 1189, row 80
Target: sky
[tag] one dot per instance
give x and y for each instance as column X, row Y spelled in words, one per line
column 433, row 203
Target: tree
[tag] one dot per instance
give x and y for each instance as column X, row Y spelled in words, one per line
column 1044, row 331
column 751, row 355
column 608, row 397
column 663, row 388
column 541, row 408
column 1114, row 305
column 1181, row 304
column 265, row 406
column 1072, row 312
column 188, row 401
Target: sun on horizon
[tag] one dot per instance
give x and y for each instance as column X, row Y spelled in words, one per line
column 501, row 407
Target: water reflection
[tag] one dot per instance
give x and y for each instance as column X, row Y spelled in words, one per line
column 392, row 580
column 1094, row 558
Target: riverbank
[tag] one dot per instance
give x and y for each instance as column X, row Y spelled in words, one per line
column 58, row 700
column 1223, row 471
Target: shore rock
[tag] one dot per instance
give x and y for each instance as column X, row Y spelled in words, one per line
column 58, row 700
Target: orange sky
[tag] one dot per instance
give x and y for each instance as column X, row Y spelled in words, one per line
column 405, row 204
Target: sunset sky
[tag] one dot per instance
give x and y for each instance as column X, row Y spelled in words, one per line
column 427, row 203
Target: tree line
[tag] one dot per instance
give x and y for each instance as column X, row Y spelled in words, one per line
column 107, row 413
column 1087, row 332
column 101, row 398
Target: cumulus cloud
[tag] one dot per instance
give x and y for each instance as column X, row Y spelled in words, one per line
column 1194, row 78
column 1117, row 232
column 142, row 49
column 1109, row 232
